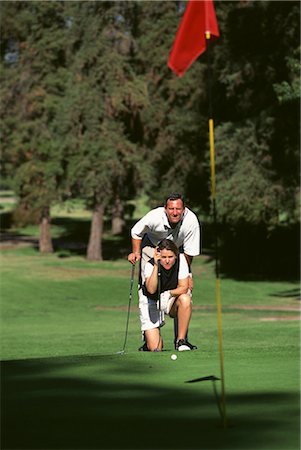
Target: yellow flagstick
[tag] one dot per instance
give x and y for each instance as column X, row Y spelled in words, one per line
column 218, row 299
column 212, row 158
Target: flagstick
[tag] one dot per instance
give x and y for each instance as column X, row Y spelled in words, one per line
column 213, row 198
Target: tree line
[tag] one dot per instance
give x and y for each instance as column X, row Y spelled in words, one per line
column 89, row 109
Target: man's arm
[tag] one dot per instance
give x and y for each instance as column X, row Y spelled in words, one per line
column 189, row 262
column 137, row 233
column 188, row 259
column 192, row 244
column 136, row 251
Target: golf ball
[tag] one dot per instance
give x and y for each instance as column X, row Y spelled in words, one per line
column 173, row 357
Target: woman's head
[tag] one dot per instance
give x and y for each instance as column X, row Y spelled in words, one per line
column 168, row 253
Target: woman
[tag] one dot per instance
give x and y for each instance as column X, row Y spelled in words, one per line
column 168, row 272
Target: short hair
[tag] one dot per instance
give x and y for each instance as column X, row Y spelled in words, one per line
column 167, row 244
column 175, row 196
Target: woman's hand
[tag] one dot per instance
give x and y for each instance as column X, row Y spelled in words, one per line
column 157, row 256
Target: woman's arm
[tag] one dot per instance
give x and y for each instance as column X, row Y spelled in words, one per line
column 183, row 280
column 151, row 283
column 181, row 288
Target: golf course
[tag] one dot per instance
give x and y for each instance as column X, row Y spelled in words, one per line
column 142, row 142
column 67, row 385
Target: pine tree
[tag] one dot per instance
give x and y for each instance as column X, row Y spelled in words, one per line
column 257, row 112
column 33, row 63
column 105, row 97
column 175, row 123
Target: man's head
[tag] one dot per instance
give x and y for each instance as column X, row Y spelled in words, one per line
column 174, row 208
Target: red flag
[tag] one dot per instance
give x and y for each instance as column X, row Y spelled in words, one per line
column 190, row 42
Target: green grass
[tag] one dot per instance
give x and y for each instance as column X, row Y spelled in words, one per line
column 64, row 386
column 69, row 209
column 7, row 201
column 74, row 208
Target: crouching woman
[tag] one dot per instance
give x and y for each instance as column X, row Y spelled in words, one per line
column 168, row 273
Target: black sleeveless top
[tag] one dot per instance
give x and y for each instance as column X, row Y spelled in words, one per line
column 169, row 279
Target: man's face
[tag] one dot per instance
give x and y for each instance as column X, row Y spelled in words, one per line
column 174, row 210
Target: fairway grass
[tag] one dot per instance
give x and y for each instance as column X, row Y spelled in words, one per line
column 65, row 387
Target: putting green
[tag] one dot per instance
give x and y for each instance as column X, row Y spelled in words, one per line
column 140, row 400
column 64, row 386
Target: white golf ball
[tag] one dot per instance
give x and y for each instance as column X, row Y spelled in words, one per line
column 173, row 357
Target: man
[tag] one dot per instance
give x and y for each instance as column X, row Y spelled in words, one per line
column 172, row 269
column 174, row 221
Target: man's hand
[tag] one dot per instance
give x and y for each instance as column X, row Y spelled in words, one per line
column 134, row 257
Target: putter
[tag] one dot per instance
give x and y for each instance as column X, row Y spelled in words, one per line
column 159, row 291
column 129, row 309
column 159, row 303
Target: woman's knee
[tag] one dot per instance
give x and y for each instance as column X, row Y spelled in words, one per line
column 185, row 300
column 153, row 340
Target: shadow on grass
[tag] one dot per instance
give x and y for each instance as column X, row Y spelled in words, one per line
column 75, row 239
column 292, row 293
column 74, row 403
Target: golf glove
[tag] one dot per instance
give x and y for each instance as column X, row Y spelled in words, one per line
column 166, row 302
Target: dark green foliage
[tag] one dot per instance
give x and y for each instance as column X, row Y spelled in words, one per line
column 33, row 84
column 256, row 70
column 104, row 97
column 173, row 125
column 89, row 107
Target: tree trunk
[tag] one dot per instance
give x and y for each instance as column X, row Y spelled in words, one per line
column 45, row 241
column 117, row 217
column 94, row 252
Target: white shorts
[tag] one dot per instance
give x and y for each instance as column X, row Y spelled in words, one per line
column 150, row 316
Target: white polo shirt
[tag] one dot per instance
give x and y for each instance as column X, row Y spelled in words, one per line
column 156, row 225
